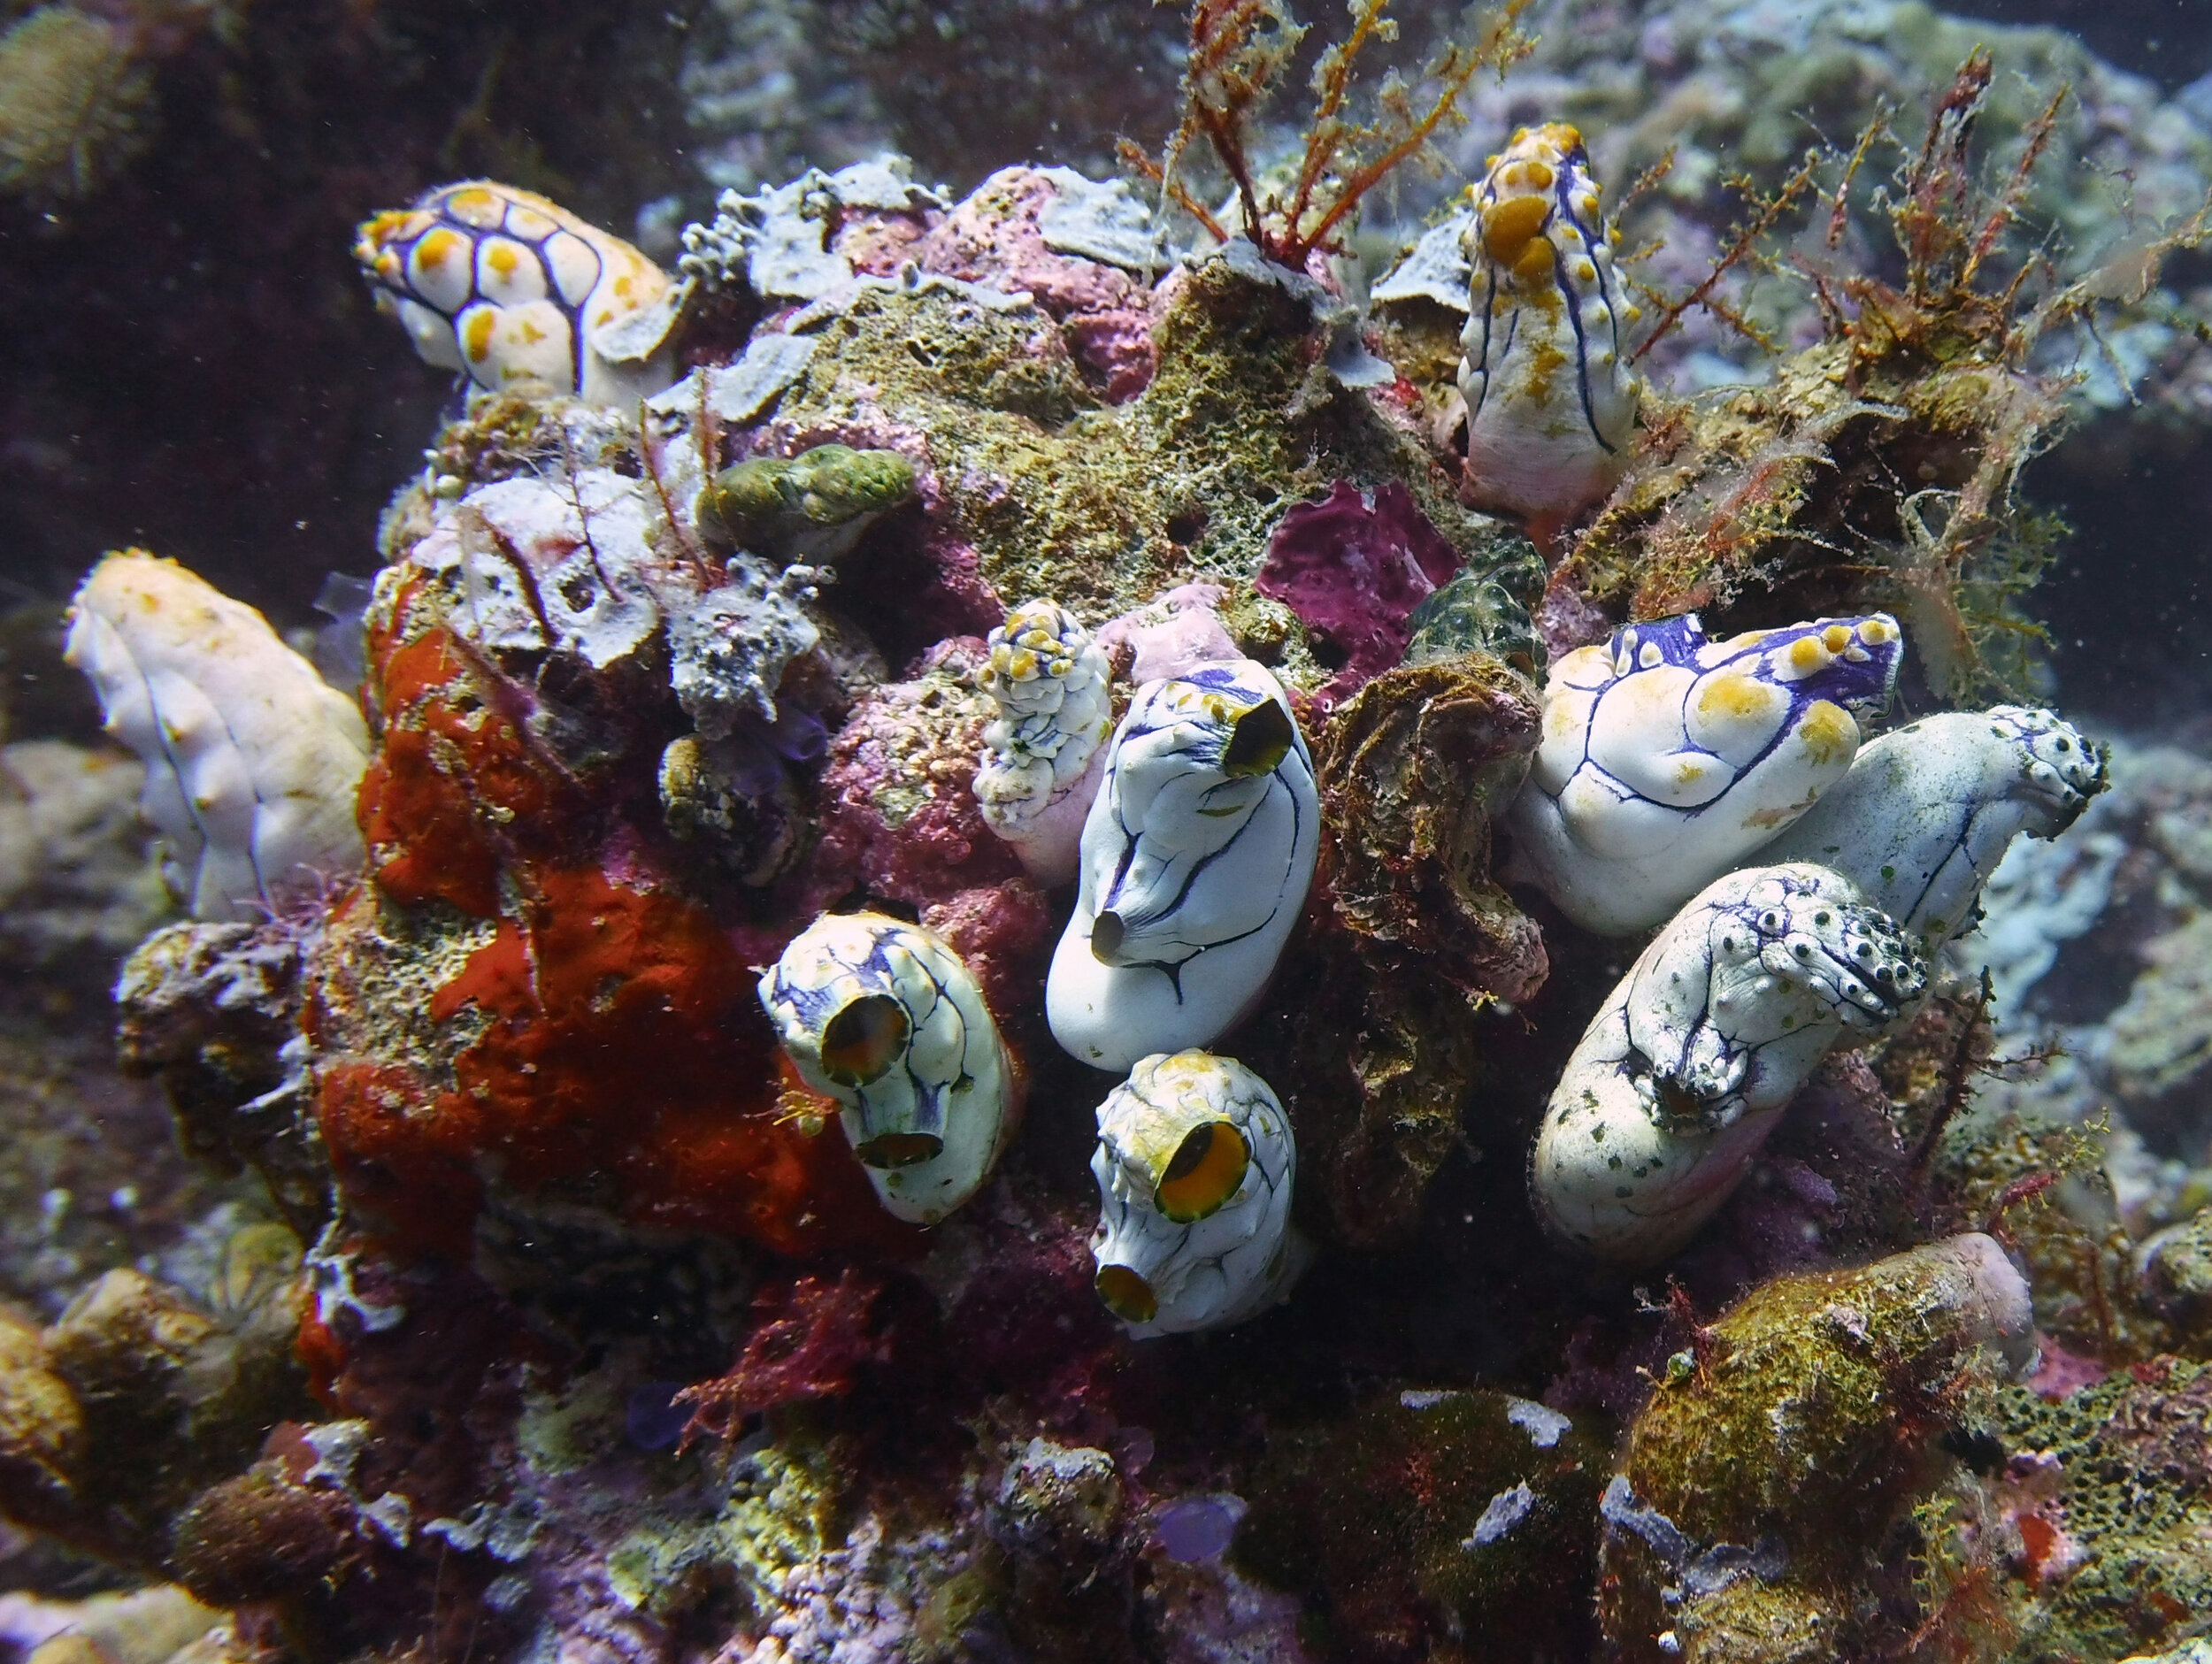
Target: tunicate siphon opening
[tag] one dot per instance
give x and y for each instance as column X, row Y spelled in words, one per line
column 1260, row 740
column 900, row 1149
column 1106, row 937
column 1207, row 1168
column 1128, row 1296
column 860, row 1042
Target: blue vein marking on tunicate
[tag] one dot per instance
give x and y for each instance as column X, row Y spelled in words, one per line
column 1571, row 300
column 1489, row 310
column 1676, row 647
column 929, row 1114
column 1958, row 850
column 809, row 1003
column 1206, row 750
column 1173, row 969
column 184, row 789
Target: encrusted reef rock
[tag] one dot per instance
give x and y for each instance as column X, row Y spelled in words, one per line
column 529, row 978
column 1415, row 772
column 1429, row 1520
column 1753, row 1513
column 113, row 1417
column 212, row 1012
column 2098, row 1518
column 648, row 1043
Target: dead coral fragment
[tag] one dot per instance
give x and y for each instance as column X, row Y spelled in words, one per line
column 210, row 1010
column 114, row 1417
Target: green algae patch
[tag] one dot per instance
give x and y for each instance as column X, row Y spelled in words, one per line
column 1767, row 1479
column 1102, row 507
column 1458, row 1520
column 2118, row 1566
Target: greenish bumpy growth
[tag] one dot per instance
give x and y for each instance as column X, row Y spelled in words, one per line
column 1485, row 610
column 813, row 506
column 1764, row 1482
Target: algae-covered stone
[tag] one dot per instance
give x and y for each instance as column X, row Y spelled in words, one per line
column 209, row 1009
column 812, row 507
column 1759, row 1487
column 2046, row 1182
column 42, row 1428
column 1102, row 509
column 114, row 1418
column 2176, row 1277
column 2128, row 1516
column 1456, row 1519
column 1485, row 610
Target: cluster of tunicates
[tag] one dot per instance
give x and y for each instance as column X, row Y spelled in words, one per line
column 1196, row 848
column 1669, row 759
column 1715, row 788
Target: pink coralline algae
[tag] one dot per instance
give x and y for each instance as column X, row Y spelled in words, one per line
column 993, row 238
column 1004, row 934
column 1170, row 635
column 1352, row 567
column 899, row 815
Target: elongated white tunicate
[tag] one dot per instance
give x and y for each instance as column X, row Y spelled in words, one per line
column 504, row 286
column 1686, row 1068
column 1668, row 757
column 1551, row 404
column 1044, row 753
column 1194, row 1165
column 884, row 1017
column 1196, row 859
column 1927, row 813
column 252, row 760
